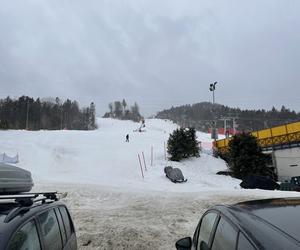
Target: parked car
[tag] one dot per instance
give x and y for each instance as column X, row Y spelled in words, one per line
column 35, row 221
column 260, row 224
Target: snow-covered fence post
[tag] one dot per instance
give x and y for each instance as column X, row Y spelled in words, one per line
column 144, row 161
column 141, row 165
column 151, row 156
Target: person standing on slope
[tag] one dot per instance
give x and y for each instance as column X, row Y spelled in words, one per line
column 127, row 138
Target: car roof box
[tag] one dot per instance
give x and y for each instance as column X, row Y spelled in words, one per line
column 14, row 179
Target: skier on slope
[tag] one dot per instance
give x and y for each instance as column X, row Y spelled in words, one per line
column 127, row 138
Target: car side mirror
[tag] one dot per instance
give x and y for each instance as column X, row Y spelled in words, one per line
column 184, row 244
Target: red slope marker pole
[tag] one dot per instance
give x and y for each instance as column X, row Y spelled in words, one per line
column 151, row 156
column 144, row 161
column 141, row 165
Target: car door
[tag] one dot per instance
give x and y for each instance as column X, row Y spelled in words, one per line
column 26, row 237
column 62, row 228
column 226, row 235
column 71, row 242
column 205, row 230
column 57, row 229
column 50, row 231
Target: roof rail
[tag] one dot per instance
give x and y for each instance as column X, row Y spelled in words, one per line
column 26, row 200
column 20, row 196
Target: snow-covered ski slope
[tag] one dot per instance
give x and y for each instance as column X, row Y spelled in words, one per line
column 102, row 157
column 113, row 207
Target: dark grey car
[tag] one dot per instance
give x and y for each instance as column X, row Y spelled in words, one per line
column 271, row 224
column 27, row 222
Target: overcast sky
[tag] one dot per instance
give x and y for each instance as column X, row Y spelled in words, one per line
column 158, row 53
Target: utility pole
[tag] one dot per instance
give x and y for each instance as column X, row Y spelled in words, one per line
column 27, row 114
column 212, row 88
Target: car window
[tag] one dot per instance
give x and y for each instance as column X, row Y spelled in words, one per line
column 50, row 230
column 26, row 238
column 244, row 244
column 67, row 222
column 206, row 227
column 225, row 237
column 62, row 226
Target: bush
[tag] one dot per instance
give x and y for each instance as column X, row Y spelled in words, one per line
column 245, row 157
column 182, row 143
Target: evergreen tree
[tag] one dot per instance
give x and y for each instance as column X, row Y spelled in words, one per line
column 192, row 146
column 86, row 117
column 245, row 157
column 135, row 110
column 92, row 117
column 118, row 109
column 182, row 143
column 124, row 104
column 4, row 124
column 111, row 107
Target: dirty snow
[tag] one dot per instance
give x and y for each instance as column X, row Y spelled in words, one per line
column 112, row 205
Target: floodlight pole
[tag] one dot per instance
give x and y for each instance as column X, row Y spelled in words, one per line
column 212, row 88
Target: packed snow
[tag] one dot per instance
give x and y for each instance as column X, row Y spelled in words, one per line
column 103, row 157
column 113, row 205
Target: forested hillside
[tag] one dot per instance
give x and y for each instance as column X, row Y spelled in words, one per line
column 201, row 116
column 28, row 113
